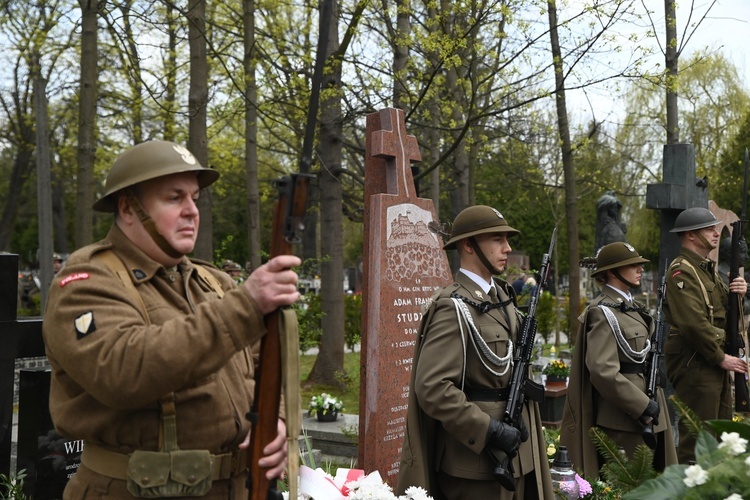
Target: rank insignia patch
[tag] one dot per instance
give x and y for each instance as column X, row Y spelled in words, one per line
column 676, row 273
column 479, row 294
column 85, row 324
column 681, row 285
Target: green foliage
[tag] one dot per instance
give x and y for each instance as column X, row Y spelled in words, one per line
column 309, row 316
column 11, row 488
column 352, row 320
column 620, row 471
column 545, row 315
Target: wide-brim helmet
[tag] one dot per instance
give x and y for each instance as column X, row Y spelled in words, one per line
column 693, row 219
column 147, row 161
column 617, row 254
column 479, row 219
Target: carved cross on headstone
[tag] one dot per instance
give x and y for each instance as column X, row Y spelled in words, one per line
column 403, row 264
column 398, row 149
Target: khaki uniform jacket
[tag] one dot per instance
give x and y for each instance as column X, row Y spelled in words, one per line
column 599, row 393
column 442, row 422
column 692, row 332
column 110, row 366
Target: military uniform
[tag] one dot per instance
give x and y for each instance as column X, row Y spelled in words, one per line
column 444, row 448
column 608, row 389
column 112, row 366
column 696, row 311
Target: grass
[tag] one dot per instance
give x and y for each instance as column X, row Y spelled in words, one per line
column 350, row 396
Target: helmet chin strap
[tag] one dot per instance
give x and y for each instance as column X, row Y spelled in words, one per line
column 150, row 226
column 703, row 240
column 617, row 274
column 492, row 269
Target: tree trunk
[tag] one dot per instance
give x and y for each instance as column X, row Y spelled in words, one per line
column 251, row 136
column 330, row 360
column 671, row 80
column 400, row 52
column 170, row 68
column 87, row 121
column 571, row 208
column 197, row 108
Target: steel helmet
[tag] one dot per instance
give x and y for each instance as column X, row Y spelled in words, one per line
column 617, row 254
column 475, row 220
column 694, row 218
column 150, row 160
column 230, row 265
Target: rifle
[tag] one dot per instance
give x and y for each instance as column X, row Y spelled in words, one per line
column 521, row 385
column 288, row 213
column 735, row 345
column 657, row 352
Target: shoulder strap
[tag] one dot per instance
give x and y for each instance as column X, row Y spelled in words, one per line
column 703, row 289
column 209, row 278
column 113, row 262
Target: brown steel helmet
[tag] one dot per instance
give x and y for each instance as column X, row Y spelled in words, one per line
column 475, row 220
column 617, row 254
column 694, row 218
column 146, row 161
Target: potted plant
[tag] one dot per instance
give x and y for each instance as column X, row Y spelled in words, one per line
column 557, row 371
column 325, row 407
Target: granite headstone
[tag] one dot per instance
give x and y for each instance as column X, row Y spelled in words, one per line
column 403, row 265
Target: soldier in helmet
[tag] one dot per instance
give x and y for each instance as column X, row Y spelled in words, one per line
column 607, row 386
column 233, row 269
column 696, row 311
column 57, row 262
column 455, row 436
column 152, row 352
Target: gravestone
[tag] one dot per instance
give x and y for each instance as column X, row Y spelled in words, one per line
column 19, row 339
column 48, row 458
column 403, row 265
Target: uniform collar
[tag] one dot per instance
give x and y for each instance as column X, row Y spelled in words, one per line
column 140, row 266
column 480, row 282
column 628, row 297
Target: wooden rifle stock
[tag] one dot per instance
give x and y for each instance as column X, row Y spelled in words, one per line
column 289, row 211
column 735, row 344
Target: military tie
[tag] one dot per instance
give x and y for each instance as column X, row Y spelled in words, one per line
column 493, row 295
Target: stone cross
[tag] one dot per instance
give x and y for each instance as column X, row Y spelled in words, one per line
column 403, row 265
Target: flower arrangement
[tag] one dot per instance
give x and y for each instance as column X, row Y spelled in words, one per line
column 721, row 469
column 325, row 403
column 557, row 368
column 351, row 484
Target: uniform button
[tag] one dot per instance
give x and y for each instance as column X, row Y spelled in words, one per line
column 471, row 441
column 171, row 278
column 191, row 479
column 497, row 335
column 146, row 480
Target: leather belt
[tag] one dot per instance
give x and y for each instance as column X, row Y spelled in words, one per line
column 480, row 394
column 115, row 465
column 632, row 367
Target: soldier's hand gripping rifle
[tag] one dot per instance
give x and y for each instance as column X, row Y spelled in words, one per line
column 521, row 386
column 657, row 352
column 289, row 211
column 735, row 344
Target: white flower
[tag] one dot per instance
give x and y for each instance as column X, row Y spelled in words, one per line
column 747, row 462
column 695, row 476
column 734, row 496
column 734, row 442
column 416, row 493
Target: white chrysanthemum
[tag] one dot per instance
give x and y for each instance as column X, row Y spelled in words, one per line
column 416, row 493
column 695, row 476
column 734, row 496
column 369, row 490
column 734, row 442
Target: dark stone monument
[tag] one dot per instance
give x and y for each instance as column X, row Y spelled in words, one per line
column 679, row 189
column 403, row 265
column 609, row 228
column 20, row 339
column 48, row 458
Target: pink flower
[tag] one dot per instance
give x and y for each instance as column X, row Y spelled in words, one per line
column 584, row 488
